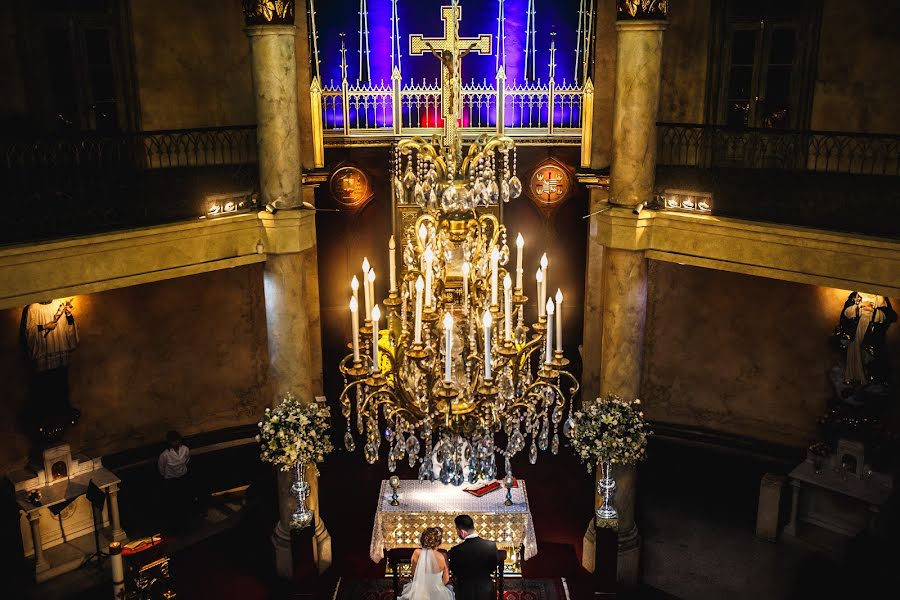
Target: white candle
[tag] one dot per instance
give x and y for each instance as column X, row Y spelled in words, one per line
column 365, row 282
column 545, row 279
column 429, row 272
column 371, row 290
column 539, row 278
column 549, row 348
column 495, row 259
column 354, row 285
column 486, row 321
column 448, row 349
column 465, row 271
column 559, row 299
column 376, row 316
column 354, row 314
column 507, row 308
column 392, row 256
column 420, row 285
column 520, row 244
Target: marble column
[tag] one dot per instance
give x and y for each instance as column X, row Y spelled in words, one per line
column 291, row 294
column 40, row 561
column 624, row 280
column 277, row 131
column 638, row 61
column 295, row 365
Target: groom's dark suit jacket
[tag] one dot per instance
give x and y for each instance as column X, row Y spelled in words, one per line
column 472, row 562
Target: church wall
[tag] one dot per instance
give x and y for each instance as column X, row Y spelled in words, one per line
column 192, row 64
column 858, row 79
column 187, row 354
column 684, row 63
column 741, row 355
column 12, row 100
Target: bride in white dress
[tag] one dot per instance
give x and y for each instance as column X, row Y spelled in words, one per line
column 430, row 570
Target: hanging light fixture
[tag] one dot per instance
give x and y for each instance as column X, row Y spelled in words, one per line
column 456, row 380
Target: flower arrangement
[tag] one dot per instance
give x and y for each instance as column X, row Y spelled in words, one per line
column 293, row 433
column 610, row 430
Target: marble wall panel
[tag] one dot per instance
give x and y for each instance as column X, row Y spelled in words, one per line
column 739, row 354
column 187, row 354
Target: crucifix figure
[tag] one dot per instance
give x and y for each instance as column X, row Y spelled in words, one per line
column 449, row 49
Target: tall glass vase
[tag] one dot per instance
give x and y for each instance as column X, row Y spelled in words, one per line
column 302, row 517
column 606, row 487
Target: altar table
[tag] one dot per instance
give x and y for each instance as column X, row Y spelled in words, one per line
column 433, row 504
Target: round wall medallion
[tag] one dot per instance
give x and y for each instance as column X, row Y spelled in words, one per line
column 350, row 187
column 549, row 184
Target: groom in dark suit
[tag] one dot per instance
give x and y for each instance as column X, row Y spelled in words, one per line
column 472, row 562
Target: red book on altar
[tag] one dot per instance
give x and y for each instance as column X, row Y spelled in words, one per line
column 485, row 487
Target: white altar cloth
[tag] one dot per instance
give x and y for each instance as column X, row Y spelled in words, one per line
column 433, row 504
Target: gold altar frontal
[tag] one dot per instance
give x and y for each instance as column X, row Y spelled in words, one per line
column 425, row 504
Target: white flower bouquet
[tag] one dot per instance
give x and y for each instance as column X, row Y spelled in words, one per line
column 294, row 433
column 610, row 430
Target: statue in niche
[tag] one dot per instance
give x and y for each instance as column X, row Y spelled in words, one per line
column 50, row 336
column 861, row 331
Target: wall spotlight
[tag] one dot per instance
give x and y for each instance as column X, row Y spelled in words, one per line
column 637, row 209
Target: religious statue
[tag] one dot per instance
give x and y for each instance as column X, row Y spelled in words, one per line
column 50, row 337
column 861, row 330
column 451, row 100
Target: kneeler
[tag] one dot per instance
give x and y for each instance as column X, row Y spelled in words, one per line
column 606, row 547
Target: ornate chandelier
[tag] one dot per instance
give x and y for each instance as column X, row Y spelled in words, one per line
column 456, row 377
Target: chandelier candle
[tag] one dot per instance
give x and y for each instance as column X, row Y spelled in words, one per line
column 354, row 286
column 486, row 321
column 559, row 299
column 429, row 273
column 548, row 354
column 545, row 279
column 376, row 316
column 520, row 244
column 448, row 349
column 539, row 278
column 495, row 258
column 368, row 294
column 392, row 256
column 420, row 285
column 507, row 308
column 371, row 290
column 354, row 315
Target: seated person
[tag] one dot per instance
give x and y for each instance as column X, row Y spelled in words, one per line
column 173, row 460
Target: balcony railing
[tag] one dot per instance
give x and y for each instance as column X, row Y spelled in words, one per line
column 827, row 180
column 91, row 183
column 708, row 146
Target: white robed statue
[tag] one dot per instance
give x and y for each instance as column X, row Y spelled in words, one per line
column 430, row 570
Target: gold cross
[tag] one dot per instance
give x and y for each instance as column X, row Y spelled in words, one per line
column 450, row 49
column 451, row 40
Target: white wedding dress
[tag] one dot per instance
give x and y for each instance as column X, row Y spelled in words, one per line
column 427, row 582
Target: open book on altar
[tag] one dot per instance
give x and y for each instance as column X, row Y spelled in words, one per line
column 486, row 487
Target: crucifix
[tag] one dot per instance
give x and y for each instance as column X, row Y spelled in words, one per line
column 449, row 49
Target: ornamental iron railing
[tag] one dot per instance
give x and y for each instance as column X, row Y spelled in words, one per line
column 90, row 183
column 709, row 146
column 404, row 108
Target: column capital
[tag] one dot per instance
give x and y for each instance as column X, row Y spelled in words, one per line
column 642, row 10
column 268, row 12
column 261, row 30
column 642, row 25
